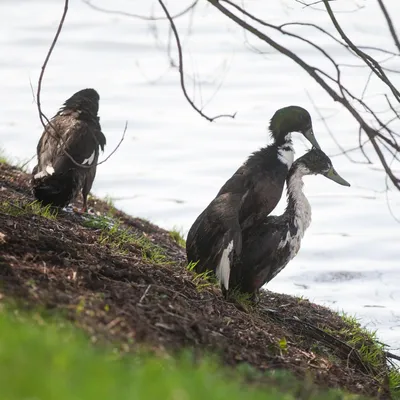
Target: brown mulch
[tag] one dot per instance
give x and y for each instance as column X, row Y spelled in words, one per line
column 120, row 296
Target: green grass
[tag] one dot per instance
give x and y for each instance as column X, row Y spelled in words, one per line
column 50, row 360
column 244, row 299
column 371, row 350
column 4, row 158
column 111, row 205
column 32, row 208
column 114, row 234
column 177, row 236
column 203, row 279
column 19, row 164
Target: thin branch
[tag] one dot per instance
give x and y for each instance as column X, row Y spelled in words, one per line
column 181, row 73
column 391, row 355
column 143, row 17
column 351, row 150
column 315, row 74
column 366, row 58
column 39, row 89
column 390, row 24
column 117, row 146
column 43, row 117
column 322, row 118
column 27, row 162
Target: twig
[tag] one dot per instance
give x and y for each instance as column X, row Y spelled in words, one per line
column 119, row 144
column 341, row 148
column 391, row 355
column 64, row 14
column 144, row 294
column 365, row 57
column 320, row 76
column 181, row 73
column 143, row 17
column 390, row 24
column 27, row 162
column 330, row 340
column 43, row 117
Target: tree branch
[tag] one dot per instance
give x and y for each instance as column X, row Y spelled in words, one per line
column 143, row 17
column 390, row 24
column 315, row 74
column 181, row 74
column 43, row 117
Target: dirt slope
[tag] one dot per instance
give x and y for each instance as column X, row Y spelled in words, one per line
column 129, row 285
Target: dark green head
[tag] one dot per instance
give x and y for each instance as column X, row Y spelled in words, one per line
column 292, row 119
column 317, row 162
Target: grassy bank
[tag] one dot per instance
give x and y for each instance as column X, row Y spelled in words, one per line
column 48, row 360
column 123, row 285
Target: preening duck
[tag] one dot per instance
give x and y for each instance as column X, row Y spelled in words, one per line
column 272, row 241
column 254, row 189
column 75, row 130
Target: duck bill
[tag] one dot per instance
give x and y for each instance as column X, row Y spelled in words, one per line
column 334, row 176
column 309, row 135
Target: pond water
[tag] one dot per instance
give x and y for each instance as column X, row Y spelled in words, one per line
column 172, row 161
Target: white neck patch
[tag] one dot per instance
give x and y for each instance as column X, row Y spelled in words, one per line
column 286, row 152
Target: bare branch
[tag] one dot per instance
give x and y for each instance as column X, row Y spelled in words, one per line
column 181, row 74
column 322, row 118
column 318, row 74
column 43, row 117
column 39, row 89
column 390, row 24
column 374, row 125
column 143, row 17
column 374, row 65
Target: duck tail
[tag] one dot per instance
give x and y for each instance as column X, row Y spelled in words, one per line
column 57, row 189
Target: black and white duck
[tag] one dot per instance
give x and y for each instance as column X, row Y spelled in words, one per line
column 75, row 130
column 254, row 189
column 272, row 241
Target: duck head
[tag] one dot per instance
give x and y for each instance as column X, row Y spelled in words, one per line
column 86, row 101
column 292, row 119
column 317, row 162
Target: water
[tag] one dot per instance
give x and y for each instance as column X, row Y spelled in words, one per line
column 172, row 162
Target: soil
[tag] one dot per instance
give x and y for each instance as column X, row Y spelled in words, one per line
column 120, row 295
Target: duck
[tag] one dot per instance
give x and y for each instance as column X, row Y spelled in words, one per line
column 273, row 241
column 254, row 189
column 75, row 132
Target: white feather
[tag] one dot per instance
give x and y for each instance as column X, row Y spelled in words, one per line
column 50, row 169
column 224, row 267
column 89, row 160
column 286, row 152
column 40, row 174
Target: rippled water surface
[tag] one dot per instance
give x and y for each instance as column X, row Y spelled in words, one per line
column 173, row 162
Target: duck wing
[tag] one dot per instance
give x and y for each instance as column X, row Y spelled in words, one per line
column 260, row 182
column 80, row 139
column 264, row 254
column 215, row 237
